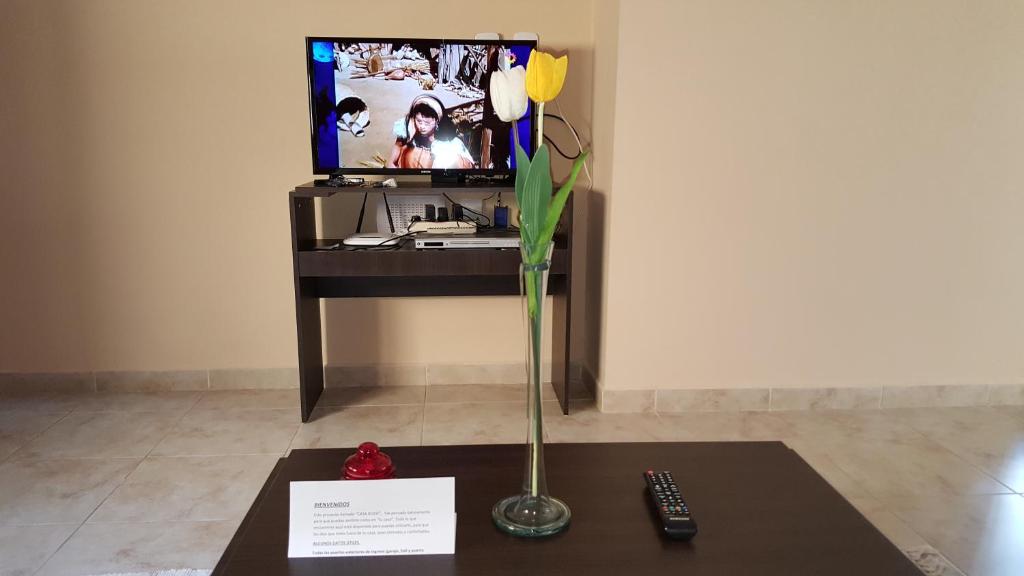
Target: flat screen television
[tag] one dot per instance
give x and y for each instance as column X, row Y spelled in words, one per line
column 411, row 106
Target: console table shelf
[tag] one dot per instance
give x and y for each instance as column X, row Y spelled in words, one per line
column 407, row 261
column 406, row 271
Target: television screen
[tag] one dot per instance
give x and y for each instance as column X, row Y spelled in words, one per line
column 411, row 106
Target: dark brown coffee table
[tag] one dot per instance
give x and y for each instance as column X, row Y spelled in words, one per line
column 760, row 508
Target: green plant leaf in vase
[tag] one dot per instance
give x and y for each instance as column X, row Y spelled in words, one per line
column 536, row 200
column 561, row 197
column 539, row 212
column 522, row 168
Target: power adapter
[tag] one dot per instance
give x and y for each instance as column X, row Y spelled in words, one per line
column 501, row 217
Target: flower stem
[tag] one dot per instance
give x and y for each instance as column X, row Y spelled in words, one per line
column 536, row 332
column 515, row 136
column 540, row 124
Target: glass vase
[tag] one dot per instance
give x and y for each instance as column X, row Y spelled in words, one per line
column 533, row 512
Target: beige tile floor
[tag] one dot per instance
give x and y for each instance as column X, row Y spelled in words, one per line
column 126, row 482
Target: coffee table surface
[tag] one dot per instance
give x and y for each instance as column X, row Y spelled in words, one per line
column 759, row 507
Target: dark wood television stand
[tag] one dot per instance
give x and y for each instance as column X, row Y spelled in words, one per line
column 406, row 271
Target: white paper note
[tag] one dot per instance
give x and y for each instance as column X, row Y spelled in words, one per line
column 372, row 517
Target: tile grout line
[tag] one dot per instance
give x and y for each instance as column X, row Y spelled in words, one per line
column 969, row 464
column 885, row 505
column 288, row 449
column 72, row 458
column 291, row 440
column 115, row 489
column 57, row 549
column 190, row 409
column 423, row 415
column 114, row 522
column 919, row 535
column 170, row 430
column 887, row 509
column 154, row 456
column 10, row 457
column 111, row 493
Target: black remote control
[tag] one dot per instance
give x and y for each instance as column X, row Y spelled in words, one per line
column 675, row 515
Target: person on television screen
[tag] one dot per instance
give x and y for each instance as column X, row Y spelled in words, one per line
column 425, row 138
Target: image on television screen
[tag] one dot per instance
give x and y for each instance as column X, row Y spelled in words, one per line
column 411, row 105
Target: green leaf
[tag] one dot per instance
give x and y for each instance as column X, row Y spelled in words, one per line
column 558, row 202
column 531, row 293
column 522, row 169
column 536, row 196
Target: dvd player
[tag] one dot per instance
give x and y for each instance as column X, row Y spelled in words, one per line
column 483, row 239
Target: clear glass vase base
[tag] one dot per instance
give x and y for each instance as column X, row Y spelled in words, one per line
column 531, row 516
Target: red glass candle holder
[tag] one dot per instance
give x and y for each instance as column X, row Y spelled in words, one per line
column 368, row 463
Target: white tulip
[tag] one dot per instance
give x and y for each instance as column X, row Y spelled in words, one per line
column 508, row 93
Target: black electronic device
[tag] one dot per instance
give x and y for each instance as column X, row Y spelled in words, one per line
column 413, row 106
column 339, row 181
column 429, row 213
column 675, row 516
column 442, row 213
column 457, row 213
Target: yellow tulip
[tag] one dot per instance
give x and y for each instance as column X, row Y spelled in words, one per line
column 545, row 76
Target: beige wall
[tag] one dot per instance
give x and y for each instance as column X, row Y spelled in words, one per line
column 786, row 193
column 606, row 57
column 817, row 193
column 147, row 151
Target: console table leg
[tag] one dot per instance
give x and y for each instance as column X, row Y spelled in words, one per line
column 560, row 348
column 311, row 362
column 307, row 309
column 561, row 320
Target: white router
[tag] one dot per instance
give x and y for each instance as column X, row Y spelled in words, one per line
column 371, row 239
